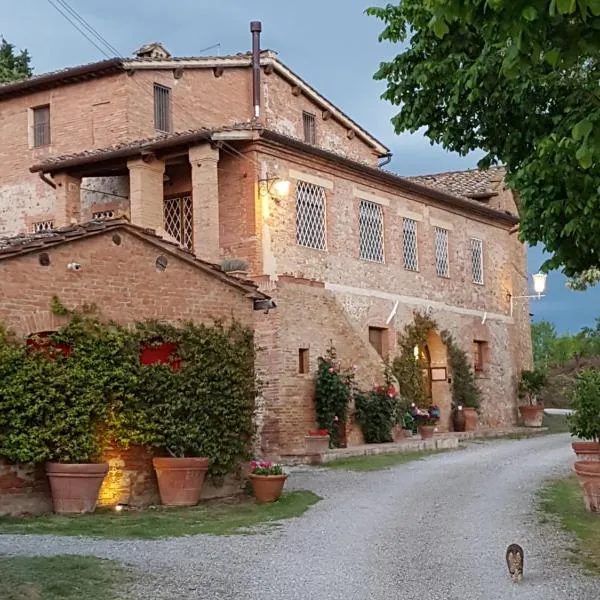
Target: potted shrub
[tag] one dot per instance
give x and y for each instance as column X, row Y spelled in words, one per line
column 426, row 420
column 267, row 480
column 316, row 442
column 584, row 423
column 530, row 384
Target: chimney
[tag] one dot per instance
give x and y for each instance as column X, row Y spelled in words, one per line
column 256, row 28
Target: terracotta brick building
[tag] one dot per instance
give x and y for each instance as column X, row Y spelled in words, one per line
column 200, row 149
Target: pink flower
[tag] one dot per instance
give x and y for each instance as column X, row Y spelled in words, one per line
column 331, row 369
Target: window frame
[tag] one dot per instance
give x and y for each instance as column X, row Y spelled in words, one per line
column 309, row 127
column 311, row 192
column 374, row 207
column 41, row 132
column 446, row 232
column 415, row 233
column 166, row 114
column 479, row 243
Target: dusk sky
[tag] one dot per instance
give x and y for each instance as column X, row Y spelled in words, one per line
column 332, row 44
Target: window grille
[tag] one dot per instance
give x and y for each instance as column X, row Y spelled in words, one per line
column 310, row 216
column 42, row 226
column 477, row 260
column 370, row 231
column 442, row 266
column 411, row 256
column 310, row 128
column 41, row 126
column 103, row 214
column 179, row 219
column 162, row 108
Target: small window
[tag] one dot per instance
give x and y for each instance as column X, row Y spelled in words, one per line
column 41, row 126
column 42, row 226
column 370, row 231
column 411, row 256
column 477, row 260
column 377, row 340
column 303, row 364
column 442, row 266
column 310, row 216
column 162, row 108
column 479, row 355
column 103, row 214
column 178, row 217
column 310, row 128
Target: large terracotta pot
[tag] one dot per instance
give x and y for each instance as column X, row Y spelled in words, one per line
column 586, row 450
column 532, row 415
column 75, row 487
column 399, row 434
column 267, row 488
column 588, row 475
column 426, row 431
column 316, row 444
column 180, row 479
column 470, row 419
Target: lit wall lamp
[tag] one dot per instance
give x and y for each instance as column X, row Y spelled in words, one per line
column 539, row 287
column 277, row 187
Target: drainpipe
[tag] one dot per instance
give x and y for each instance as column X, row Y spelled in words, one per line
column 45, row 179
column 387, row 159
column 256, row 28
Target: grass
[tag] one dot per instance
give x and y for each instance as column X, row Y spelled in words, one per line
column 376, row 462
column 217, row 518
column 60, row 577
column 562, row 500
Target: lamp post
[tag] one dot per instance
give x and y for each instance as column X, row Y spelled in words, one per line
column 539, row 287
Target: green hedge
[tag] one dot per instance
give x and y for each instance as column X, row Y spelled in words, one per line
column 65, row 408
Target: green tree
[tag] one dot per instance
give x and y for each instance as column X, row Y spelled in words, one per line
column 543, row 339
column 518, row 79
column 13, row 67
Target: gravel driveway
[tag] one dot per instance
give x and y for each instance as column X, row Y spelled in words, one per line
column 432, row 530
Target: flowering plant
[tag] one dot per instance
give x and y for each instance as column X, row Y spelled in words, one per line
column 319, row 433
column 265, row 467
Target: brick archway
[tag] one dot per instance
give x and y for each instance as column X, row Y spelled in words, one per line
column 44, row 320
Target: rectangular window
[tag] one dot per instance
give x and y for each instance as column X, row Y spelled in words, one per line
column 477, row 260
column 41, row 126
column 310, row 128
column 370, row 231
column 41, row 226
column 411, row 255
column 303, row 365
column 377, row 340
column 162, row 108
column 310, row 216
column 442, row 266
column 479, row 352
column 179, row 219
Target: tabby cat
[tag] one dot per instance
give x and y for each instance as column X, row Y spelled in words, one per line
column 515, row 560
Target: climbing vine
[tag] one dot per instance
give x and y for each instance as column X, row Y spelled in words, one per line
column 87, row 385
column 464, row 387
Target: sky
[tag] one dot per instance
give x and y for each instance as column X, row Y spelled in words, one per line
column 330, row 43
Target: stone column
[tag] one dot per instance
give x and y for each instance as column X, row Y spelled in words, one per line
column 146, row 192
column 68, row 200
column 205, row 201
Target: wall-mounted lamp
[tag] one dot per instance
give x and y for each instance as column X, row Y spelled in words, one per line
column 277, row 187
column 539, row 287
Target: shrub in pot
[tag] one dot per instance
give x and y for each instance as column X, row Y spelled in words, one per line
column 531, row 384
column 267, row 480
column 584, row 423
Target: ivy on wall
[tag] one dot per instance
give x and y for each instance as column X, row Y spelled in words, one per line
column 64, row 408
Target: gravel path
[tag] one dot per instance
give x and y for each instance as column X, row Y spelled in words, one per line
column 434, row 530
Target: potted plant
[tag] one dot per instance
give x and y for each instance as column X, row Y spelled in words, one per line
column 530, row 384
column 316, row 442
column 584, row 423
column 267, row 480
column 426, row 420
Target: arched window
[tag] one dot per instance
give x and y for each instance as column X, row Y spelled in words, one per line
column 41, row 342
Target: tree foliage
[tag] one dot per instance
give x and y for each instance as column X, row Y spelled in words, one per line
column 585, row 421
column 13, row 66
column 518, row 79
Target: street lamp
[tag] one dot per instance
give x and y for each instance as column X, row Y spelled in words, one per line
column 539, row 287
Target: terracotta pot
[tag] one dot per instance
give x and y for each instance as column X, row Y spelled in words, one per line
column 588, row 475
column 399, row 434
column 267, row 488
column 180, row 479
column 426, row 431
column 75, row 487
column 470, row 418
column 586, row 450
column 458, row 420
column 532, row 415
column 316, row 444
